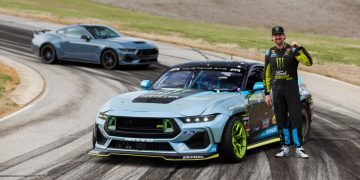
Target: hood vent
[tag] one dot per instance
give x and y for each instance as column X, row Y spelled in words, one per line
column 164, row 96
column 139, row 42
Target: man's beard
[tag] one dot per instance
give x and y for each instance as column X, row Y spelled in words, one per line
column 279, row 42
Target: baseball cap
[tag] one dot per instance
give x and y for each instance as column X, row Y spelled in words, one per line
column 277, row 30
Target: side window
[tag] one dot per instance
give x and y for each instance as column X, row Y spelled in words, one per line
column 74, row 32
column 256, row 75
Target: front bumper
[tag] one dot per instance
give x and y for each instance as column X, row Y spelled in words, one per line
column 196, row 141
column 137, row 58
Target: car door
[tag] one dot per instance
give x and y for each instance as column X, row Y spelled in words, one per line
column 259, row 113
column 75, row 48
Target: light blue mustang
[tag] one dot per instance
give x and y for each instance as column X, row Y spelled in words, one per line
column 194, row 111
column 93, row 44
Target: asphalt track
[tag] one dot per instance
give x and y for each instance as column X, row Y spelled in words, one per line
column 51, row 137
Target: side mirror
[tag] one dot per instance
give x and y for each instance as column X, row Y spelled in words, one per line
column 145, row 84
column 258, row 86
column 87, row 38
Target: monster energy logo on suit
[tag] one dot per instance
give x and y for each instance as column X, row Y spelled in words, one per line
column 280, row 62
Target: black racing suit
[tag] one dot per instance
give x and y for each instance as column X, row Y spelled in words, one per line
column 281, row 78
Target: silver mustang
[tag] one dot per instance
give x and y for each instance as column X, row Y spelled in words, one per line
column 93, row 44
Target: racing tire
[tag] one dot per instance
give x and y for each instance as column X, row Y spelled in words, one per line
column 48, row 54
column 233, row 144
column 305, row 117
column 109, row 59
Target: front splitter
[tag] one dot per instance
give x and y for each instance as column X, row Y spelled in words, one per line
column 187, row 157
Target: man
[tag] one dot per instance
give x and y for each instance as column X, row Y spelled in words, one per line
column 281, row 63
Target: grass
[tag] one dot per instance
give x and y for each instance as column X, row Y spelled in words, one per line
column 324, row 49
column 4, row 79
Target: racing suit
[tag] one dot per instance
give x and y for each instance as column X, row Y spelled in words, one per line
column 281, row 78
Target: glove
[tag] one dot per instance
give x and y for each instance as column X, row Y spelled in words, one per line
column 295, row 44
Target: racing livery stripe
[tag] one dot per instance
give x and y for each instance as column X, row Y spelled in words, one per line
column 263, row 143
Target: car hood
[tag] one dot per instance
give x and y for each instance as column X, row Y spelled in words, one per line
column 165, row 102
column 132, row 42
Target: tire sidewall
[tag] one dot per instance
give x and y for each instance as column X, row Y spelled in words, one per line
column 54, row 55
column 305, row 116
column 226, row 146
column 116, row 59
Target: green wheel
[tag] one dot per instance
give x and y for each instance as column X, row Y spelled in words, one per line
column 234, row 141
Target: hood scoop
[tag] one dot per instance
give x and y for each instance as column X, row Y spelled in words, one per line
column 139, row 42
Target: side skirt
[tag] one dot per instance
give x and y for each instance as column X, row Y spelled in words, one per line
column 263, row 142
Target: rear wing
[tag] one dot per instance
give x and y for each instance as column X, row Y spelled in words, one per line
column 40, row 32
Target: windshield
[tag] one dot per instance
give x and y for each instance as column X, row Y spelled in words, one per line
column 211, row 78
column 101, row 32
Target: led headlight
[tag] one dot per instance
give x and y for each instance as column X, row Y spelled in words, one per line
column 103, row 116
column 127, row 50
column 198, row 119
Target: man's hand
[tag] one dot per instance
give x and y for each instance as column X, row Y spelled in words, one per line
column 295, row 44
column 268, row 100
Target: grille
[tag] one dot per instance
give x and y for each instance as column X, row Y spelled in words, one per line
column 141, row 145
column 198, row 141
column 144, row 53
column 142, row 127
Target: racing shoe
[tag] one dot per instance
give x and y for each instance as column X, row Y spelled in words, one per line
column 284, row 151
column 300, row 153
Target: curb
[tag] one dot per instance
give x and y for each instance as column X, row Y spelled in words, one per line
column 31, row 85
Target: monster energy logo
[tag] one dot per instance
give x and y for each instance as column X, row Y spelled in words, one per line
column 280, row 62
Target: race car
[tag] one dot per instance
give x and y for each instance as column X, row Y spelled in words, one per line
column 193, row 111
column 96, row 44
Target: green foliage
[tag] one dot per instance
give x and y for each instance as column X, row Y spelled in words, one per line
column 3, row 80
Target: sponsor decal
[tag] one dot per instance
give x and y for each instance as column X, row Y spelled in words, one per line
column 193, row 157
column 209, row 68
column 273, row 120
column 164, row 96
column 280, row 62
column 236, row 106
column 267, row 132
column 247, row 127
column 175, row 69
column 282, row 75
column 189, row 132
column 273, row 51
column 138, row 140
column 234, row 70
column 213, row 148
column 265, row 123
column 257, row 97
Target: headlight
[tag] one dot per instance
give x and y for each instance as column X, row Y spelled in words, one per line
column 127, row 50
column 198, row 119
column 103, row 116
